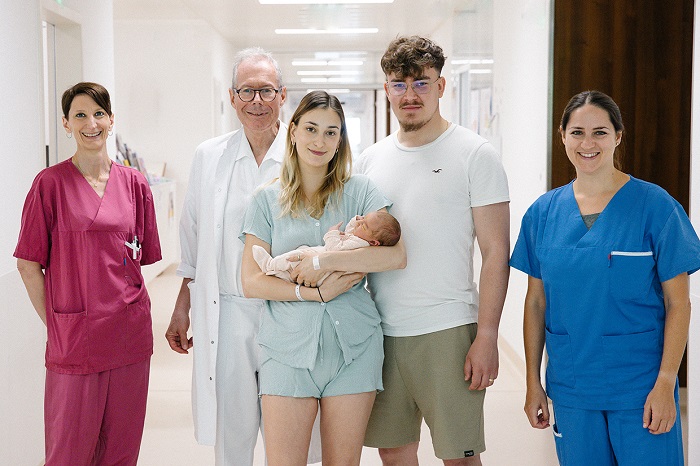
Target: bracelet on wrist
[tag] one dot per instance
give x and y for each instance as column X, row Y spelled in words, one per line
column 320, row 295
column 297, row 290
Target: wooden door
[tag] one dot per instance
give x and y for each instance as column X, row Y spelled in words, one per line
column 640, row 53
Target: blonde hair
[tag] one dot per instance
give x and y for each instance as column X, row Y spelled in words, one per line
column 339, row 168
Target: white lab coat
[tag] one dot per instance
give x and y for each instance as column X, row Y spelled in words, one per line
column 201, row 244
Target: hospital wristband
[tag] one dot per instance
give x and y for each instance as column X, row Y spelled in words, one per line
column 317, row 265
column 298, row 292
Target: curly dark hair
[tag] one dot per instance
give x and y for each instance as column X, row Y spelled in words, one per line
column 409, row 56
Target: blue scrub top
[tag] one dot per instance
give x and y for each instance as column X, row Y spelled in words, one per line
column 290, row 330
column 605, row 315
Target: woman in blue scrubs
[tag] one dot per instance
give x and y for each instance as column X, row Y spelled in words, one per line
column 608, row 258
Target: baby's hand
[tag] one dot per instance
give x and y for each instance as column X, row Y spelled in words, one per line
column 335, row 227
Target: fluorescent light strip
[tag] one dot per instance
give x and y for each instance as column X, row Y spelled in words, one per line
column 330, row 91
column 346, row 63
column 472, row 62
column 314, row 80
column 318, row 2
column 328, row 73
column 327, row 80
column 328, row 31
column 309, row 63
column 480, row 71
column 327, row 63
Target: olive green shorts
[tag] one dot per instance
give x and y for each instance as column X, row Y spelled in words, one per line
column 424, row 378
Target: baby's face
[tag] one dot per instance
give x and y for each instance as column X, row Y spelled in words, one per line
column 365, row 226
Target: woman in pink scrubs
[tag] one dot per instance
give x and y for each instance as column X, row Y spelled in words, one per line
column 88, row 225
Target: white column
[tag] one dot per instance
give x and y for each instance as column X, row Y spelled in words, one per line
column 22, row 156
column 521, row 44
column 97, row 33
column 693, row 426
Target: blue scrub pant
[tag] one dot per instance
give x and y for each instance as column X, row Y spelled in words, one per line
column 612, row 438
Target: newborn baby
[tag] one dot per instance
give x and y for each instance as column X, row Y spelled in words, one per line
column 374, row 229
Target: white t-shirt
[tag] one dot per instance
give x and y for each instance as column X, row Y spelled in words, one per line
column 433, row 188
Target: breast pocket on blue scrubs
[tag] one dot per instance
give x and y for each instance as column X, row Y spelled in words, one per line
column 631, row 274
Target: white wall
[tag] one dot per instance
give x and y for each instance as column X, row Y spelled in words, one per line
column 443, row 37
column 166, row 78
column 22, row 156
column 693, row 426
column 68, row 55
column 521, row 98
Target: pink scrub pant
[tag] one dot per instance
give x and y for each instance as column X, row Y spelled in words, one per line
column 95, row 419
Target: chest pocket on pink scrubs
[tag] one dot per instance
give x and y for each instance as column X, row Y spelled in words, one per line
column 132, row 266
column 631, row 274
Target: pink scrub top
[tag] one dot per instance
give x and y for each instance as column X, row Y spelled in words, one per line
column 98, row 313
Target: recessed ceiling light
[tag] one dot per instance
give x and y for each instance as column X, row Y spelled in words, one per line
column 328, row 31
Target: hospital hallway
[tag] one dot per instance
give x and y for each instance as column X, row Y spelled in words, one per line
column 169, row 439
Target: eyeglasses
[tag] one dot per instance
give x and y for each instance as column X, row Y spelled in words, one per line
column 421, row 86
column 247, row 94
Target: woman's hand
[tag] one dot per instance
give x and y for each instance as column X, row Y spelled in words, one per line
column 536, row 407
column 338, row 283
column 660, row 408
column 304, row 272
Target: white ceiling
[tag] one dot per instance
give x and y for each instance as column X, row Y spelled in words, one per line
column 246, row 23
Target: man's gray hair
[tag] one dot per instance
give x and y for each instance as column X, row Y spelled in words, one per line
column 259, row 53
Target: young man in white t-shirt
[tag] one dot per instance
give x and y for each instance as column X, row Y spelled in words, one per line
column 448, row 186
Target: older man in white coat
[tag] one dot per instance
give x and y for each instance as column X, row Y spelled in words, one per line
column 225, row 172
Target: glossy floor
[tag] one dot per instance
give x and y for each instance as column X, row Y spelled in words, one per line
column 168, row 438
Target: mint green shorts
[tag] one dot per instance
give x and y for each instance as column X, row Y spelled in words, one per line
column 330, row 375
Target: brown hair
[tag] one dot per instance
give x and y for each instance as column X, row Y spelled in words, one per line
column 95, row 91
column 339, row 168
column 602, row 101
column 390, row 231
column 408, row 56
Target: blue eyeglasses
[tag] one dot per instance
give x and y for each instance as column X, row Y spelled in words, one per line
column 420, row 86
